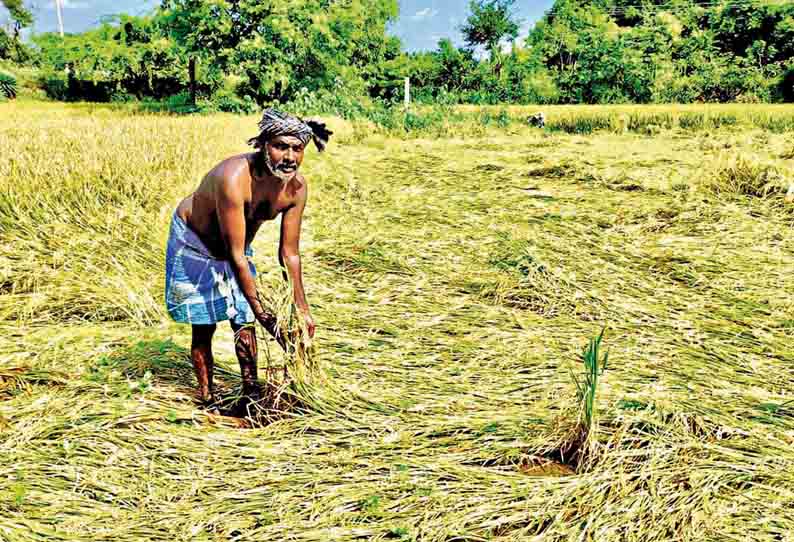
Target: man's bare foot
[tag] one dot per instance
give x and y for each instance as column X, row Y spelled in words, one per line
column 245, row 406
column 253, row 393
column 207, row 398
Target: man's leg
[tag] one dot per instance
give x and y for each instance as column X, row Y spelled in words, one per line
column 201, row 356
column 245, row 347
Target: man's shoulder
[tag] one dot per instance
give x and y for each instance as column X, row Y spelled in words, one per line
column 234, row 168
column 301, row 188
column 232, row 173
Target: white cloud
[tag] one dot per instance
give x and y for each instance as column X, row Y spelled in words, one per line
column 423, row 14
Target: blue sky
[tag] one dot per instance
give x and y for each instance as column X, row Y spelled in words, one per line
column 421, row 24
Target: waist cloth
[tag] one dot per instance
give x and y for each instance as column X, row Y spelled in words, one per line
column 199, row 288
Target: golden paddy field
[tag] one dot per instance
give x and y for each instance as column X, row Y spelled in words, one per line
column 455, row 276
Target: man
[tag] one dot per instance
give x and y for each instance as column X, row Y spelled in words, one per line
column 209, row 277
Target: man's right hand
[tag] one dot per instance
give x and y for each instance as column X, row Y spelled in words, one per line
column 270, row 323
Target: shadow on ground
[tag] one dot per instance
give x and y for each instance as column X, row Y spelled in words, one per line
column 165, row 364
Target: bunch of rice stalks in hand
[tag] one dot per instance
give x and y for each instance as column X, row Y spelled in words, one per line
column 295, row 378
column 741, row 176
column 8, row 86
column 277, row 298
column 288, row 379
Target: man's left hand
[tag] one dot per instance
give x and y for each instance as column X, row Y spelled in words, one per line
column 310, row 326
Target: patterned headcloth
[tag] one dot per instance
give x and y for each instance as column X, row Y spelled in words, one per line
column 274, row 123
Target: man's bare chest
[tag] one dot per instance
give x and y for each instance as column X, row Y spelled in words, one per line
column 266, row 207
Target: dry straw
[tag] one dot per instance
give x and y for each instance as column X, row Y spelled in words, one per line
column 292, row 380
column 444, row 397
column 739, row 175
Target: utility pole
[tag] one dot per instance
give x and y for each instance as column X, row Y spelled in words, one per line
column 407, row 93
column 58, row 7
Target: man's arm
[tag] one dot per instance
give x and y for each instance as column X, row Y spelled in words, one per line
column 231, row 218
column 289, row 254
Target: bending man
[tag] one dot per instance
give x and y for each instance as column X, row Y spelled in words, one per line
column 209, row 276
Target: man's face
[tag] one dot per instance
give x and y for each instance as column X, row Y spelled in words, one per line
column 284, row 156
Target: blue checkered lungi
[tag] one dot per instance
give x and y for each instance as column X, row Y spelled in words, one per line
column 199, row 288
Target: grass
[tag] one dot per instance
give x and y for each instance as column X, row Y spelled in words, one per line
column 651, row 119
column 451, row 278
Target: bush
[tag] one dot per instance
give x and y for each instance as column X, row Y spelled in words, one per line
column 121, row 96
column 786, row 87
column 540, row 88
column 425, row 121
column 447, row 97
column 180, row 103
column 342, row 102
column 221, row 101
column 501, row 119
column 56, row 87
column 580, row 123
column 228, row 102
column 8, row 86
column 62, row 87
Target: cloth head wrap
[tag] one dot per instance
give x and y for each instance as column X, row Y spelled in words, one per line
column 274, row 123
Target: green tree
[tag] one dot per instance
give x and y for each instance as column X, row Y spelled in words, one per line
column 455, row 66
column 6, row 45
column 442, row 74
column 580, row 45
column 21, row 18
column 124, row 56
column 280, row 47
column 490, row 22
column 665, row 50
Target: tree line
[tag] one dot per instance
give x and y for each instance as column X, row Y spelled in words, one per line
column 240, row 54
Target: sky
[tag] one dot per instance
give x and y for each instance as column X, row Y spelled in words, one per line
column 422, row 23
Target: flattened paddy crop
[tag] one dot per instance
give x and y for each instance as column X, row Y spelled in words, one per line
column 455, row 283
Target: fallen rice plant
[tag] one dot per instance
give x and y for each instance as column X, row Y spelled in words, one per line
column 295, row 379
column 738, row 175
column 531, row 284
column 556, row 171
